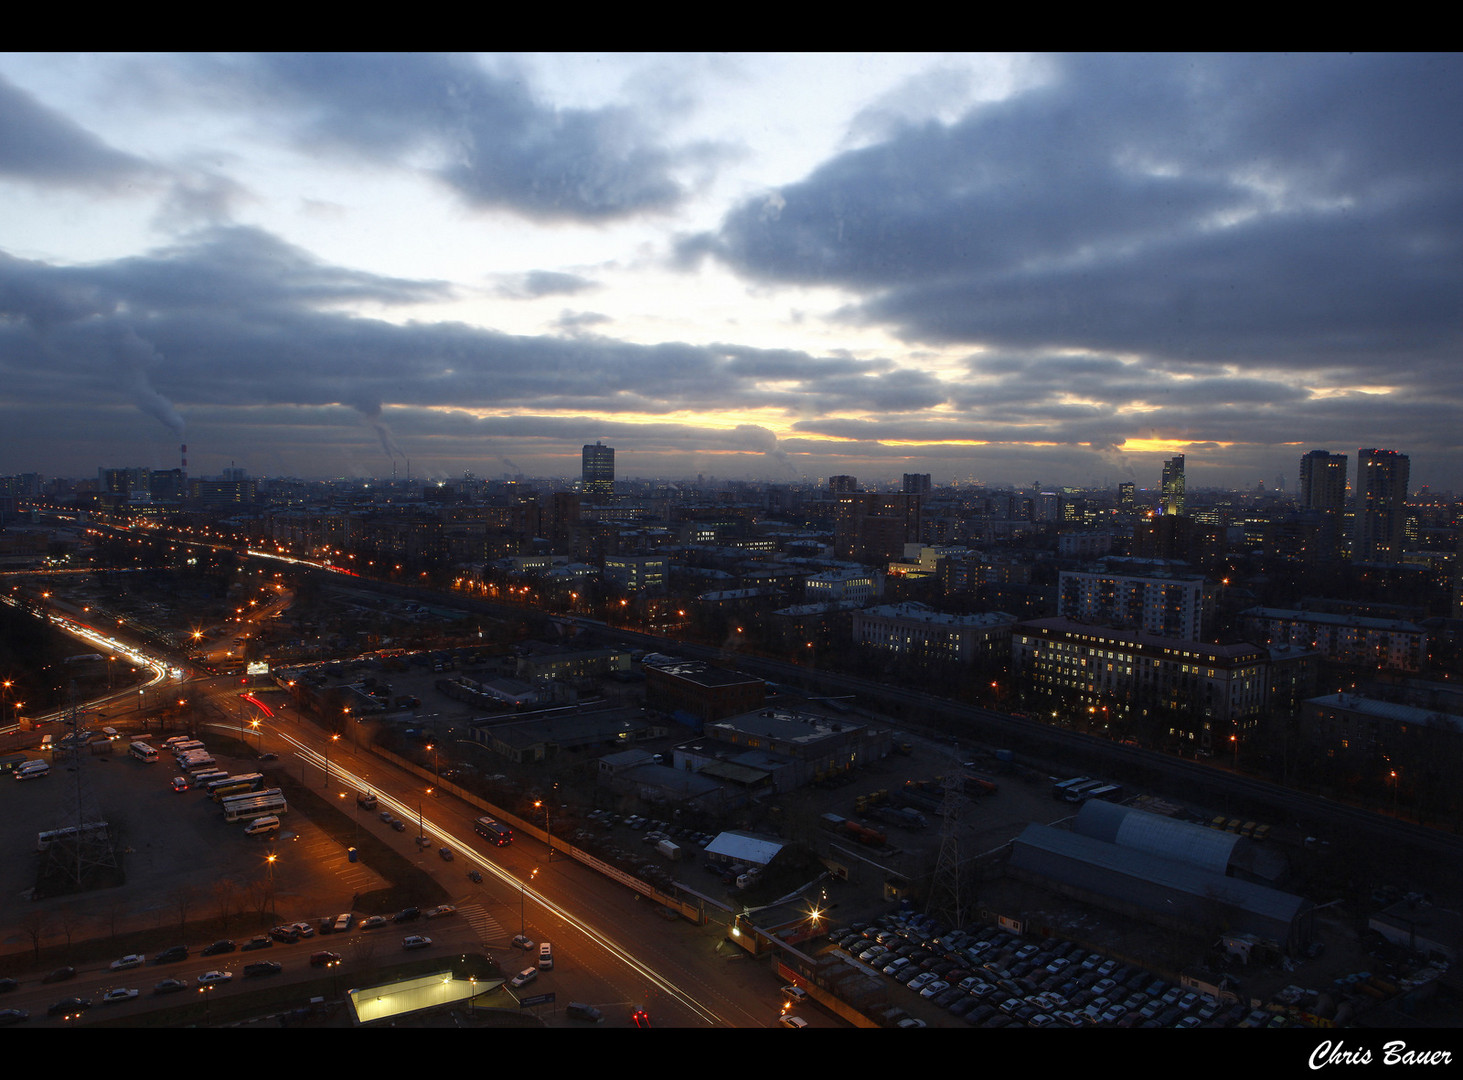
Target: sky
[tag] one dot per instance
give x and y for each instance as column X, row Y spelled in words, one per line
column 998, row 269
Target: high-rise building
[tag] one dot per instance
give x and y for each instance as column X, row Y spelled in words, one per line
column 1323, row 500
column 1381, row 505
column 916, row 484
column 1173, row 485
column 842, row 485
column 1126, row 495
column 1323, row 481
column 598, row 475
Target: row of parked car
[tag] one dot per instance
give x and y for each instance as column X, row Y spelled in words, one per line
column 992, row 978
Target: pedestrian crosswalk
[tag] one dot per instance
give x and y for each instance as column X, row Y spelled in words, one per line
column 488, row 929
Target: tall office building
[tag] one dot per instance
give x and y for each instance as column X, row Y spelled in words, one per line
column 598, row 475
column 1323, row 501
column 842, row 485
column 1381, row 505
column 916, row 484
column 1323, row 481
column 1173, row 485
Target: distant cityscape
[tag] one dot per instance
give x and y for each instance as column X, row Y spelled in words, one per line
column 1316, row 625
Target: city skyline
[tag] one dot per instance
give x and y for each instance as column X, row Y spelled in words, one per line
column 785, row 267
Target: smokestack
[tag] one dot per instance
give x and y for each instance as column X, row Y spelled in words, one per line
column 184, row 451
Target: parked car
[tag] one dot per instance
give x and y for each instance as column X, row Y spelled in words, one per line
column 171, row 954
column 219, row 947
column 131, row 960
column 374, row 921
column 213, row 978
column 121, row 993
column 169, row 986
column 60, row 974
column 262, row 967
column 521, row 941
column 256, row 943
column 523, row 978
column 416, row 941
column 13, row 1016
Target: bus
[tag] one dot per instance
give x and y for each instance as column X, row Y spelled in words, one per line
column 11, row 762
column 95, row 830
column 142, row 751
column 33, row 770
column 489, row 829
column 187, row 747
column 1060, row 789
column 218, row 790
column 1108, row 792
column 254, row 805
column 1079, row 792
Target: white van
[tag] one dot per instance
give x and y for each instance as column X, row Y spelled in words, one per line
column 546, row 957
column 32, row 770
column 262, row 825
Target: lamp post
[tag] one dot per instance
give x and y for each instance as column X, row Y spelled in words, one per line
column 538, row 804
column 269, row 859
column 522, row 895
column 333, row 738
column 1394, row 792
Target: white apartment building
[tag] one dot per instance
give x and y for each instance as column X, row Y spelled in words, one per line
column 1167, row 604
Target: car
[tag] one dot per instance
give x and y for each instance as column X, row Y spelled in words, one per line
column 640, row 1018
column 795, row 994
column 121, row 993
column 911, row 1022
column 219, row 947
column 60, row 974
column 372, row 922
column 416, row 941
column 262, row 967
column 440, row 910
column 131, row 960
column 305, row 929
column 169, row 986
column 287, row 934
column 578, row 1010
column 790, row 1021
column 475, row 876
column 938, row 986
column 69, row 1007
column 920, row 981
column 398, row 824
column 343, row 922
column 521, row 941
column 523, row 978
column 446, row 854
column 180, row 783
column 213, row 978
column 256, row 943
column 324, row 959
column 387, row 817
column 407, row 914
column 13, row 1016
column 7, row 985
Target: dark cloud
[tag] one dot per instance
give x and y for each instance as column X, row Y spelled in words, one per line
column 42, row 146
column 483, row 133
column 1297, row 211
column 538, row 283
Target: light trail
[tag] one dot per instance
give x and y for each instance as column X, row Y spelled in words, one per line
column 438, row 833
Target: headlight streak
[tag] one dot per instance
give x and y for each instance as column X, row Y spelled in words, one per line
column 407, row 813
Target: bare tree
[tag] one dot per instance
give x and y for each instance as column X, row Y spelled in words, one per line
column 36, row 926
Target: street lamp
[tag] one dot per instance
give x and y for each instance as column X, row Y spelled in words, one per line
column 538, row 804
column 269, row 859
column 522, row 894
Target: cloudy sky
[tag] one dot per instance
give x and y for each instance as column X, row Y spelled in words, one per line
column 999, row 269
